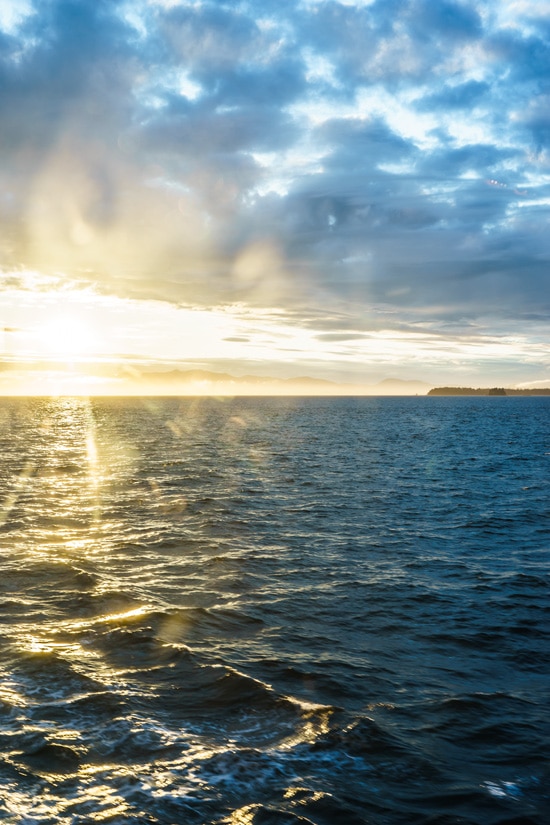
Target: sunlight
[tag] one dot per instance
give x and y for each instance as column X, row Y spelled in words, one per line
column 67, row 338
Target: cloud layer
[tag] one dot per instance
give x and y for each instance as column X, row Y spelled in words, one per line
column 388, row 159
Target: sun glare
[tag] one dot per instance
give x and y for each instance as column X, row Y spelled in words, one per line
column 67, row 338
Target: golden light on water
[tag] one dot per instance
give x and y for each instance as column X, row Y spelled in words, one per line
column 112, row 618
column 91, row 452
column 66, row 475
column 243, row 816
column 17, row 488
column 36, row 645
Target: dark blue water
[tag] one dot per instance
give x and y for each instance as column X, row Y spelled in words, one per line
column 274, row 611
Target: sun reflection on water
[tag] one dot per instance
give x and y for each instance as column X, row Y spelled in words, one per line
column 56, row 499
column 18, row 487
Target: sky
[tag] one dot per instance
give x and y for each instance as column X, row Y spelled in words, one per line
column 352, row 191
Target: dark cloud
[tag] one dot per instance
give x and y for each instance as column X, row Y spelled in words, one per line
column 534, row 121
column 202, row 131
column 210, row 39
column 341, row 336
column 479, row 158
column 461, row 96
column 362, row 143
column 447, row 20
column 234, row 61
column 276, row 85
column 391, row 41
column 363, row 43
column 523, row 57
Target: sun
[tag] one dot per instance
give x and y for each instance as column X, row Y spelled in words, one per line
column 67, row 338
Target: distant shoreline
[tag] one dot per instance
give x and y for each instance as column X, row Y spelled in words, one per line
column 493, row 391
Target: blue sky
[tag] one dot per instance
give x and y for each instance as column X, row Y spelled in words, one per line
column 352, row 190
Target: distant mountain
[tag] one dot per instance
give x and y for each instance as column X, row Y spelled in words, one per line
column 399, row 386
column 312, row 382
column 199, row 380
column 171, row 379
column 192, row 376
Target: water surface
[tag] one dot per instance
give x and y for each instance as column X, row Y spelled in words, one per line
column 274, row 611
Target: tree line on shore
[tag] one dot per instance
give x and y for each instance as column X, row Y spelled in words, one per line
column 487, row 391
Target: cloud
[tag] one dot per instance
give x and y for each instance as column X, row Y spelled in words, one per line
column 445, row 20
column 385, row 159
column 188, row 132
column 464, row 96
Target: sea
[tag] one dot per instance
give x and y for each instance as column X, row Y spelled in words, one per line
column 275, row 611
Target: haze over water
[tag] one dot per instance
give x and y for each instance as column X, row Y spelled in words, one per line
column 274, row 611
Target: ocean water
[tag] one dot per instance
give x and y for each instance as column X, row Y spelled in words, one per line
column 275, row 610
